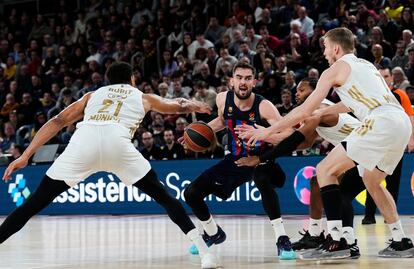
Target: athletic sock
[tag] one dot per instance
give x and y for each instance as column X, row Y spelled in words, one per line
column 210, row 226
column 332, row 200
column 335, row 229
column 396, row 230
column 349, row 235
column 278, row 227
column 315, row 227
column 198, row 241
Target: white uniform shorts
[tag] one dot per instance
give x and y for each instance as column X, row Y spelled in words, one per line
column 380, row 140
column 95, row 148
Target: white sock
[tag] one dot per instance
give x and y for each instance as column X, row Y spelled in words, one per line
column 349, row 235
column 210, row 226
column 278, row 227
column 315, row 227
column 396, row 230
column 198, row 241
column 335, row 229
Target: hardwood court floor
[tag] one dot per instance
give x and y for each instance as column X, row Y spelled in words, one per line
column 142, row 241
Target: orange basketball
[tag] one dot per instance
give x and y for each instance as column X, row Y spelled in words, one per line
column 199, row 137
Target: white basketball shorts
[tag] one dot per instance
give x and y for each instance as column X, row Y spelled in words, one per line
column 95, row 148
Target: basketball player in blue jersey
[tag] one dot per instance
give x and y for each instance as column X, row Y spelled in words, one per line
column 102, row 142
column 235, row 107
column 373, row 145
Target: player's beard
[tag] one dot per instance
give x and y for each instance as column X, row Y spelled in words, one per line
column 243, row 97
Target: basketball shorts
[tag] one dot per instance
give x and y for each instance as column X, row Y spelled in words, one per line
column 380, row 140
column 95, row 148
column 226, row 176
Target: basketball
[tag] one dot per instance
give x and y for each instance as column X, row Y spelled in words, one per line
column 301, row 184
column 199, row 137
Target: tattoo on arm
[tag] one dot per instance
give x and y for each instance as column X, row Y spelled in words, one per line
column 185, row 105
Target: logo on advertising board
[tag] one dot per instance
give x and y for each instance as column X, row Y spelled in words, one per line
column 18, row 190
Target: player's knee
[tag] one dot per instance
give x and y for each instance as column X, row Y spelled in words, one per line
column 190, row 194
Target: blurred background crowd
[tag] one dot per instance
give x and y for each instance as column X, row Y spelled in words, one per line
column 53, row 52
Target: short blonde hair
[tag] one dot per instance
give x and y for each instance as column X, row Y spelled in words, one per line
column 343, row 37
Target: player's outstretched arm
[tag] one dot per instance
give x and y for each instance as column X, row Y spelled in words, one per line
column 217, row 124
column 172, row 106
column 334, row 76
column 69, row 115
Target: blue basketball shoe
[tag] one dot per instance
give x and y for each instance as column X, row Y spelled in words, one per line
column 216, row 239
column 284, row 248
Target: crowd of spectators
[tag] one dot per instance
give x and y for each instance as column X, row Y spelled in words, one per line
column 183, row 48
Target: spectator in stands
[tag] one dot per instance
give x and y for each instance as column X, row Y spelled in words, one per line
column 8, row 137
column 364, row 13
column 409, row 67
column 224, row 57
column 149, row 149
column 207, row 95
column 407, row 39
column 379, row 59
column 9, row 106
column 233, row 25
column 281, row 68
column 410, row 93
column 212, row 59
column 286, row 105
column 407, row 20
column 245, row 51
column 180, row 125
column 16, row 151
column 389, row 27
column 378, row 38
column 171, row 150
column 252, row 38
column 168, row 64
column 259, row 59
column 163, row 90
column 200, row 42
column 306, row 22
column 290, row 82
column 204, row 75
column 28, row 108
column 214, row 30
column 400, row 58
column 399, row 79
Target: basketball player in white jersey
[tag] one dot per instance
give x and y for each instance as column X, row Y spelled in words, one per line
column 102, row 142
column 373, row 145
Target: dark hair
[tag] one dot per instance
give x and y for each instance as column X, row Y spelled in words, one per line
column 343, row 37
column 201, row 85
column 119, row 73
column 311, row 82
column 244, row 65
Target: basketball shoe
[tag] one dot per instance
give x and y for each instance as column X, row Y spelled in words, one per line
column 398, row 249
column 354, row 249
column 284, row 248
column 308, row 241
column 209, row 261
column 329, row 250
column 216, row 239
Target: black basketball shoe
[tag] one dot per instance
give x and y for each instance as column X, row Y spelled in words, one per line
column 354, row 249
column 308, row 241
column 398, row 249
column 329, row 250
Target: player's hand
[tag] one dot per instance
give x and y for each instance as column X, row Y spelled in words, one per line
column 256, row 135
column 202, row 107
column 181, row 141
column 242, row 129
column 251, row 161
column 14, row 166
